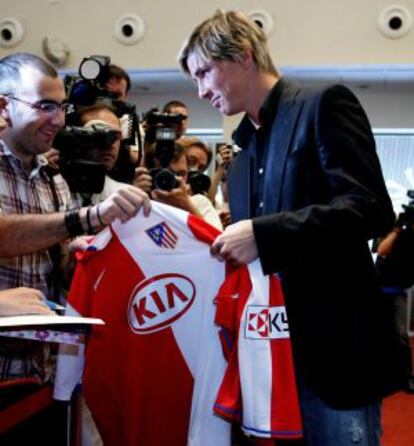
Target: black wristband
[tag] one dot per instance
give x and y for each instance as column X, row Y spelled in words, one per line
column 73, row 223
column 99, row 216
column 88, row 219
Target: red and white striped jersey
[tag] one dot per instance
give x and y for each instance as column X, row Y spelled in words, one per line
column 153, row 372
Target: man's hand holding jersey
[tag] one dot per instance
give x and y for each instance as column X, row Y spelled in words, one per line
column 123, row 204
column 236, row 244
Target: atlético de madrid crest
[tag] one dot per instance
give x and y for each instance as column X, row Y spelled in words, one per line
column 162, row 235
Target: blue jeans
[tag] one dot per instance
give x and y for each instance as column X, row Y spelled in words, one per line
column 324, row 426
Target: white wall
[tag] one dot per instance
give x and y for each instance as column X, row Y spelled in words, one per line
column 388, row 109
column 307, row 32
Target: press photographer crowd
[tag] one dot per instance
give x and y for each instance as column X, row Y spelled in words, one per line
column 104, row 144
column 309, row 329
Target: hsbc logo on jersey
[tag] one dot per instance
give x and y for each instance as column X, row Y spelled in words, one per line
column 159, row 301
column 266, row 323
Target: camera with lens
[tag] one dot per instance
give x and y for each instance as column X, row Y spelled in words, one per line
column 154, row 120
column 406, row 218
column 154, row 117
column 162, row 177
column 89, row 88
column 161, row 130
column 78, row 163
column 199, row 182
column 75, row 143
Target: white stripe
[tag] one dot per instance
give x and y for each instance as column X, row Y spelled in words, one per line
column 198, row 340
column 69, row 366
column 255, row 361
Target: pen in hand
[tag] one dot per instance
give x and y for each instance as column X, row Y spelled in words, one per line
column 53, row 305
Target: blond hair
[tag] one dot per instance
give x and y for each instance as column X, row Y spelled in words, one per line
column 227, row 35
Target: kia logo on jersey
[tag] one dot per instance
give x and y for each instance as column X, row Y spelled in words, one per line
column 158, row 301
column 266, row 322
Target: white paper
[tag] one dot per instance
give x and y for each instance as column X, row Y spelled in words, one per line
column 41, row 320
column 60, row 329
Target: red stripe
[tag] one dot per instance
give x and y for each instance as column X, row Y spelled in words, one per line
column 20, row 411
column 170, row 232
column 169, row 238
column 167, row 243
column 128, row 410
column 202, row 230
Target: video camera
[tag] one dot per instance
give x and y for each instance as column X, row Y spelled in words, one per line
column 407, row 216
column 154, row 117
column 162, row 177
column 89, row 87
column 160, row 128
column 81, row 171
column 154, row 120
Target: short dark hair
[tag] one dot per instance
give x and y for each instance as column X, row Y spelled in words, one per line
column 98, row 106
column 172, row 104
column 11, row 66
column 150, row 159
column 119, row 73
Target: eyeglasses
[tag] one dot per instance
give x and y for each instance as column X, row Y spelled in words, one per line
column 47, row 107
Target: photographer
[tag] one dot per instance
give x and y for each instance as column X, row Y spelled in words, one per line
column 176, row 107
column 118, row 85
column 395, row 265
column 101, row 117
column 153, row 121
column 223, row 159
column 99, row 81
column 172, row 188
column 118, row 82
column 198, row 153
column 199, row 157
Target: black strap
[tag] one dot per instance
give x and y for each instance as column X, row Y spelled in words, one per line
column 55, row 250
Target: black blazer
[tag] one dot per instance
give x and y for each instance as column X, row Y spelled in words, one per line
column 324, row 198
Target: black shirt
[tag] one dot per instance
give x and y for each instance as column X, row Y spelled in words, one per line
column 256, row 141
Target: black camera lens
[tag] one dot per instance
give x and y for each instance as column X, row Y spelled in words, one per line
column 199, row 182
column 154, row 117
column 163, row 179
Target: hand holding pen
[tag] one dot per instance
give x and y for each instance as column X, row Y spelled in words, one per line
column 54, row 306
column 24, row 300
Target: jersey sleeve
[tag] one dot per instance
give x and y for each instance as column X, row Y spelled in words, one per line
column 69, row 366
column 259, row 386
column 70, row 360
column 230, row 301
